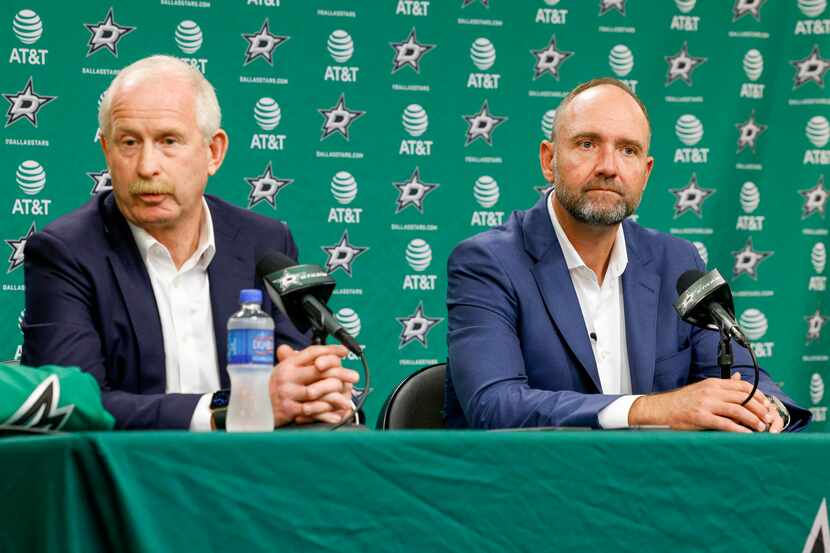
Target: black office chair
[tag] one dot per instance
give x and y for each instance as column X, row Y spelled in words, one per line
column 417, row 402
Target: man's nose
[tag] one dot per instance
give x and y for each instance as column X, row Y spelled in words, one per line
column 148, row 161
column 607, row 162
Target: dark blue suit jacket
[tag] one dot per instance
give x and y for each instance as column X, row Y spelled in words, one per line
column 519, row 353
column 89, row 303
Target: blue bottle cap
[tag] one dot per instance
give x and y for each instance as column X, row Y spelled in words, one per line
column 251, row 295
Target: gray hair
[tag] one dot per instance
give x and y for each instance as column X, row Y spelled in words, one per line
column 208, row 113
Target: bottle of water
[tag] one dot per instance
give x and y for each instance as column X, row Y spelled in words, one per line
column 250, row 361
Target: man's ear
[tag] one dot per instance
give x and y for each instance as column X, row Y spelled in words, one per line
column 217, row 149
column 546, row 159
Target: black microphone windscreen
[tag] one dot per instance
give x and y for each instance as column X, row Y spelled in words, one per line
column 272, row 262
column 687, row 279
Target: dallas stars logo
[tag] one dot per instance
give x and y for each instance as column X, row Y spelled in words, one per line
column 749, row 132
column 814, row 324
column 417, row 326
column 338, row 119
column 607, row 5
column 482, row 124
column 815, row 199
column 690, row 198
column 17, row 246
column 342, row 254
column 743, row 7
column 811, row 68
column 262, row 44
column 40, row 410
column 681, row 65
column 409, row 52
column 25, row 104
column 413, row 191
column 818, row 540
column 102, row 180
column 747, row 261
column 265, row 187
column 106, row 34
column 549, row 59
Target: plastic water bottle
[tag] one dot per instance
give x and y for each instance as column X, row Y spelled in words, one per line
column 250, row 361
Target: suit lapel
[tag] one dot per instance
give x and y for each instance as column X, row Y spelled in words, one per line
column 134, row 283
column 556, row 287
column 640, row 287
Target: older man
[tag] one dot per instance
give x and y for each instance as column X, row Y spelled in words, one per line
column 137, row 285
column 564, row 317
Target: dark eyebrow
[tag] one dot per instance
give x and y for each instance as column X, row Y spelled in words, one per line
column 594, row 136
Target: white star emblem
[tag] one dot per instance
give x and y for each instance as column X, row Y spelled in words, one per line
column 102, row 180
column 265, row 187
column 17, row 246
column 262, row 44
column 338, row 119
column 749, row 132
column 409, row 52
column 342, row 254
column 811, row 68
column 814, row 324
column 690, row 198
column 106, row 34
column 288, row 280
column 743, row 7
column 607, row 5
column 413, row 191
column 417, row 326
column 26, row 103
column 815, row 199
column 681, row 65
column 482, row 124
column 548, row 59
column 747, row 260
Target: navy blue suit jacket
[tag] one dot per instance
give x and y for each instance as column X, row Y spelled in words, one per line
column 89, row 303
column 519, row 351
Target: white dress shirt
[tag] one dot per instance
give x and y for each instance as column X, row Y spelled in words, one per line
column 183, row 300
column 604, row 314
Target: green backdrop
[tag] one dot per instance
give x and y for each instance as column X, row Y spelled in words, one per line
column 383, row 132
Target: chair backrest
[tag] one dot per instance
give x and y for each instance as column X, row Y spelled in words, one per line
column 417, row 402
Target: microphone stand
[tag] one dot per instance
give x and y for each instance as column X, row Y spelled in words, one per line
column 725, row 354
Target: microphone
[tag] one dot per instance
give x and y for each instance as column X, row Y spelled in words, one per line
column 705, row 301
column 301, row 293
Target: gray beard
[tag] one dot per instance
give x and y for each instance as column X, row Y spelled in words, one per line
column 583, row 209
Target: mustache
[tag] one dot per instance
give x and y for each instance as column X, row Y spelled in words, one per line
column 604, row 184
column 141, row 186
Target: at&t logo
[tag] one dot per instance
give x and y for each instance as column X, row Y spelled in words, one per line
column 753, row 65
column 419, row 257
column 340, row 47
column 551, row 16
column 486, row 193
column 344, row 190
column 818, row 258
column 621, row 61
column 31, row 179
column 267, row 114
column 817, row 132
column 418, row 8
column 685, row 22
column 483, row 56
column 28, row 28
column 816, row 395
column 415, row 122
column 689, row 131
column 189, row 39
column 754, row 324
column 812, row 9
column 750, row 199
column 350, row 321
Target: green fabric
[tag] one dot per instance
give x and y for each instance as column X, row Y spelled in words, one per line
column 51, row 398
column 415, row 491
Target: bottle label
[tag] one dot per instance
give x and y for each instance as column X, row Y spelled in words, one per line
column 250, row 345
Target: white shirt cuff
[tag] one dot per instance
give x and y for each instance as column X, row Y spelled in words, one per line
column 201, row 415
column 615, row 414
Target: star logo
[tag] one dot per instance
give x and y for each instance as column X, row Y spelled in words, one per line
column 815, row 322
column 681, row 65
column 815, row 199
column 338, row 119
column 485, row 3
column 409, row 52
column 288, row 280
column 265, row 187
column 811, row 68
column 743, row 7
column 818, row 539
column 607, row 5
column 102, row 180
column 17, row 246
column 747, row 260
column 417, row 327
column 40, row 409
column 549, row 59
column 413, row 191
column 749, row 131
column 690, row 198
column 106, row 34
column 25, row 104
column 482, row 124
column 262, row 44
column 342, row 254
